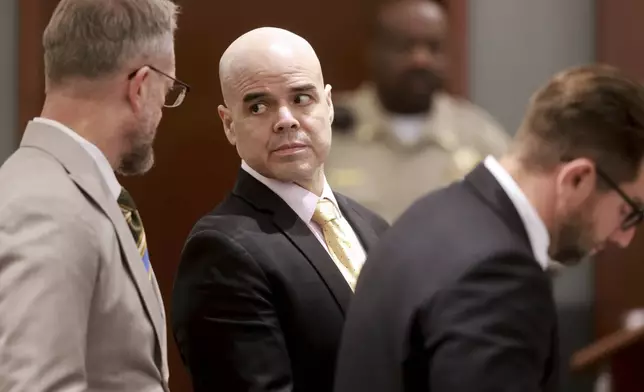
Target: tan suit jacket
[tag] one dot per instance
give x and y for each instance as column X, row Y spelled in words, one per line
column 77, row 309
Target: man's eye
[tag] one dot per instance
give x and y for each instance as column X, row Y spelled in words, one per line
column 302, row 99
column 258, row 108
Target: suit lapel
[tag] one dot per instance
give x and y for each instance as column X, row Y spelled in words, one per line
column 301, row 236
column 145, row 286
column 165, row 371
column 366, row 234
column 489, row 189
column 297, row 232
column 83, row 171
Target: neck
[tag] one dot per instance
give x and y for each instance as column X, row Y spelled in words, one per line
column 537, row 187
column 90, row 119
column 315, row 184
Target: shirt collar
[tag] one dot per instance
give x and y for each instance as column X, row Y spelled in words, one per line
column 535, row 228
column 302, row 201
column 103, row 164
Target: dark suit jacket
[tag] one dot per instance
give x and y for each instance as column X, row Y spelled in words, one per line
column 452, row 300
column 258, row 304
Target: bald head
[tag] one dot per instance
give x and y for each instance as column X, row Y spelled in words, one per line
column 266, row 49
column 277, row 111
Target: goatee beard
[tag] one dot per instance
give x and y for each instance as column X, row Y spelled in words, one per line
column 137, row 161
column 574, row 242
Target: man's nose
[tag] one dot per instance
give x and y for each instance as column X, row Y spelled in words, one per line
column 286, row 121
column 421, row 57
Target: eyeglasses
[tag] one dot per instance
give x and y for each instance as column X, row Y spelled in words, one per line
column 634, row 217
column 177, row 92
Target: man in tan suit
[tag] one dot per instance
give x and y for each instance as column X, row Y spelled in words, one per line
column 80, row 308
column 400, row 135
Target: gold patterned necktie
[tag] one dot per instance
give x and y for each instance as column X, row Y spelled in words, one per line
column 133, row 219
column 336, row 237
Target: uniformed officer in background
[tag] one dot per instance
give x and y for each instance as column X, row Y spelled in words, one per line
column 400, row 134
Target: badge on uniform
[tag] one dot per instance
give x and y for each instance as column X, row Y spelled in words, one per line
column 465, row 158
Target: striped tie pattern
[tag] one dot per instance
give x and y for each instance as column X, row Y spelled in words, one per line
column 133, row 219
column 336, row 236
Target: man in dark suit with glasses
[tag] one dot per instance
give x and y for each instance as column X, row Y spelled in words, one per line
column 456, row 296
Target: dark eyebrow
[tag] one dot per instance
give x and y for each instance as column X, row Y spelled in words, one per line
column 303, row 88
column 253, row 96
column 250, row 97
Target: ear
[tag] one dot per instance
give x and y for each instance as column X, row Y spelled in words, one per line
column 329, row 101
column 577, row 180
column 227, row 122
column 137, row 89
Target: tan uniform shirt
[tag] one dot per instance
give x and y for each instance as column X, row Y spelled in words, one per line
column 386, row 163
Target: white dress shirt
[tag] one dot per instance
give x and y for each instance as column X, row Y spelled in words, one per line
column 103, row 164
column 304, row 203
column 536, row 229
column 409, row 129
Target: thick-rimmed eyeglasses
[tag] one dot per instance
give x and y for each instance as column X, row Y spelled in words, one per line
column 636, row 216
column 177, row 92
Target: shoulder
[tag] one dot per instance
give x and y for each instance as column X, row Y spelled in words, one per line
column 468, row 108
column 34, row 185
column 231, row 216
column 454, row 223
column 450, row 238
column 31, row 167
column 217, row 235
column 477, row 127
column 215, row 250
column 232, row 230
column 226, row 252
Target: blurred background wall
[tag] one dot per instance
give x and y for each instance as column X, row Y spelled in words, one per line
column 514, row 46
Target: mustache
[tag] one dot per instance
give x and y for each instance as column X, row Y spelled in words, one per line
column 423, row 75
column 285, row 139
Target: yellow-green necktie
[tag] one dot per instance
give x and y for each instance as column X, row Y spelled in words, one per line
column 335, row 231
column 133, row 219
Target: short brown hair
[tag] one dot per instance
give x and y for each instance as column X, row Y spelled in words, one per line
column 592, row 111
column 95, row 38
